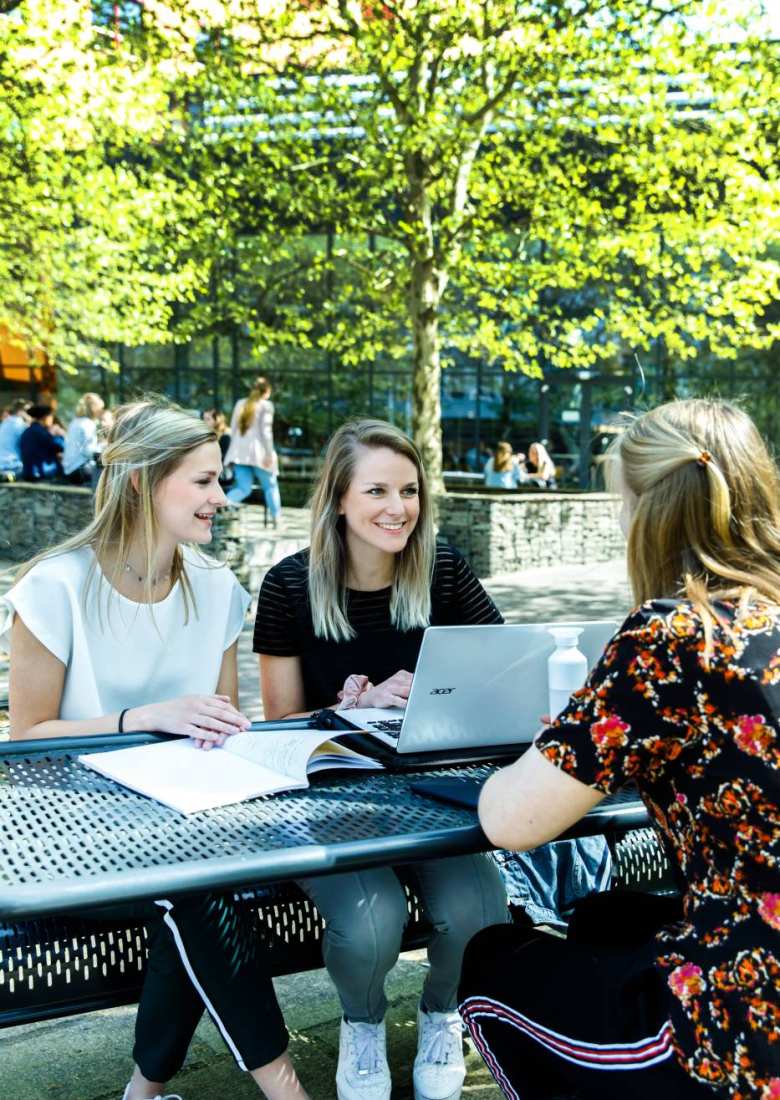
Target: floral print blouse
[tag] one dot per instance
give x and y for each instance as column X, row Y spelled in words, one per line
column 702, row 742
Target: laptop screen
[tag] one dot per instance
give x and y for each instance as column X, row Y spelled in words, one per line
column 478, row 685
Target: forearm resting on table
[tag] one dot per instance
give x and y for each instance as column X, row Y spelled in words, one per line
column 532, row 802
column 59, row 727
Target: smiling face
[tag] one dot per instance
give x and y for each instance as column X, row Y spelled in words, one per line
column 187, row 499
column 382, row 504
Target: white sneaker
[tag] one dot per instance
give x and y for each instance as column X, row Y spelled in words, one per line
column 363, row 1072
column 439, row 1069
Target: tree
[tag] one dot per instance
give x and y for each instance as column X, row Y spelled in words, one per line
column 89, row 224
column 535, row 183
column 538, row 182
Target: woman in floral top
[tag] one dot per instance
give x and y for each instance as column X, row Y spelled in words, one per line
column 685, row 703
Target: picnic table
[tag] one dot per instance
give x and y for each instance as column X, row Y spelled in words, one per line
column 74, row 843
column 72, row 839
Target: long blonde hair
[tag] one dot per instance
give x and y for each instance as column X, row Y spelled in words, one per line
column 149, row 439
column 260, row 391
column 502, row 457
column 91, row 405
column 706, row 519
column 539, row 456
column 410, row 601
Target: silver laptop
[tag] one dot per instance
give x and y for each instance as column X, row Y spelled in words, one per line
column 477, row 685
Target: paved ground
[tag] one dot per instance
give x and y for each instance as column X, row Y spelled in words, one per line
column 87, row 1057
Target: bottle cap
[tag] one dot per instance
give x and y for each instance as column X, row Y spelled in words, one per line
column 565, row 636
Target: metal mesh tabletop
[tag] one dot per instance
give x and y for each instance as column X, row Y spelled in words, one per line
column 71, row 839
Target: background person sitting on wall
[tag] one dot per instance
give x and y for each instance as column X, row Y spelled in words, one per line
column 504, row 470
column 40, row 449
column 81, row 441
column 48, row 397
column 476, row 456
column 543, row 471
column 11, row 430
column 217, row 421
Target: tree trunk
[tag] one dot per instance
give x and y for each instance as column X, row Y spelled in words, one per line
column 424, row 297
column 431, row 261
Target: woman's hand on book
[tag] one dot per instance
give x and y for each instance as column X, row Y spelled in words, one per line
column 208, row 719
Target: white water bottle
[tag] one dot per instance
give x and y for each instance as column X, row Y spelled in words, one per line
column 567, row 667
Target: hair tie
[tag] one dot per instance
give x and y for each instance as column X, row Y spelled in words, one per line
column 704, row 458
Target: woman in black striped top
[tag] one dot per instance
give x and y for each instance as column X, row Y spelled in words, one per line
column 283, row 627
column 341, row 624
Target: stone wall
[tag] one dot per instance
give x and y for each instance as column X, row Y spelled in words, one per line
column 503, row 533
column 33, row 517
column 497, row 533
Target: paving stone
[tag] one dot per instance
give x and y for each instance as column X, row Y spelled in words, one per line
column 88, row 1057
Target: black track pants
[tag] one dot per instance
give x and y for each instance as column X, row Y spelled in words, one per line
column 561, row 1018
column 205, row 952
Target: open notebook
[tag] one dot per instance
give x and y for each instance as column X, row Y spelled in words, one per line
column 250, row 764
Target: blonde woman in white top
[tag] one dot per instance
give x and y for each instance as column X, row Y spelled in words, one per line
column 251, row 448
column 544, row 467
column 127, row 626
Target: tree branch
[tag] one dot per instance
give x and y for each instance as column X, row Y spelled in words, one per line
column 473, row 117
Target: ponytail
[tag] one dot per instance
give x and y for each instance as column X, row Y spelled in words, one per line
column 261, row 389
column 705, row 524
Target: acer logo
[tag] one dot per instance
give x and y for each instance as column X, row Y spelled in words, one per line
column 442, row 691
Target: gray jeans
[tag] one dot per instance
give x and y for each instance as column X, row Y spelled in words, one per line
column 365, row 913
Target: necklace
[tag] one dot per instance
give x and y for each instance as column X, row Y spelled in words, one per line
column 155, row 578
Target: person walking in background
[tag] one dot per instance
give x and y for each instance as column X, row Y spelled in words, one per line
column 81, row 441
column 504, row 469
column 11, row 430
column 543, row 472
column 251, row 449
column 40, row 449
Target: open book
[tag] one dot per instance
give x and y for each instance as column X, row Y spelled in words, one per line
column 249, row 764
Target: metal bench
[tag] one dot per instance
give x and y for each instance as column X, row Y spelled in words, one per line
column 64, row 965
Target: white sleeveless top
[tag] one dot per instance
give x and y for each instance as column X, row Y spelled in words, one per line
column 127, row 654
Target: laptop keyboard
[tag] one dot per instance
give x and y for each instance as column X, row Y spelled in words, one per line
column 389, row 725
